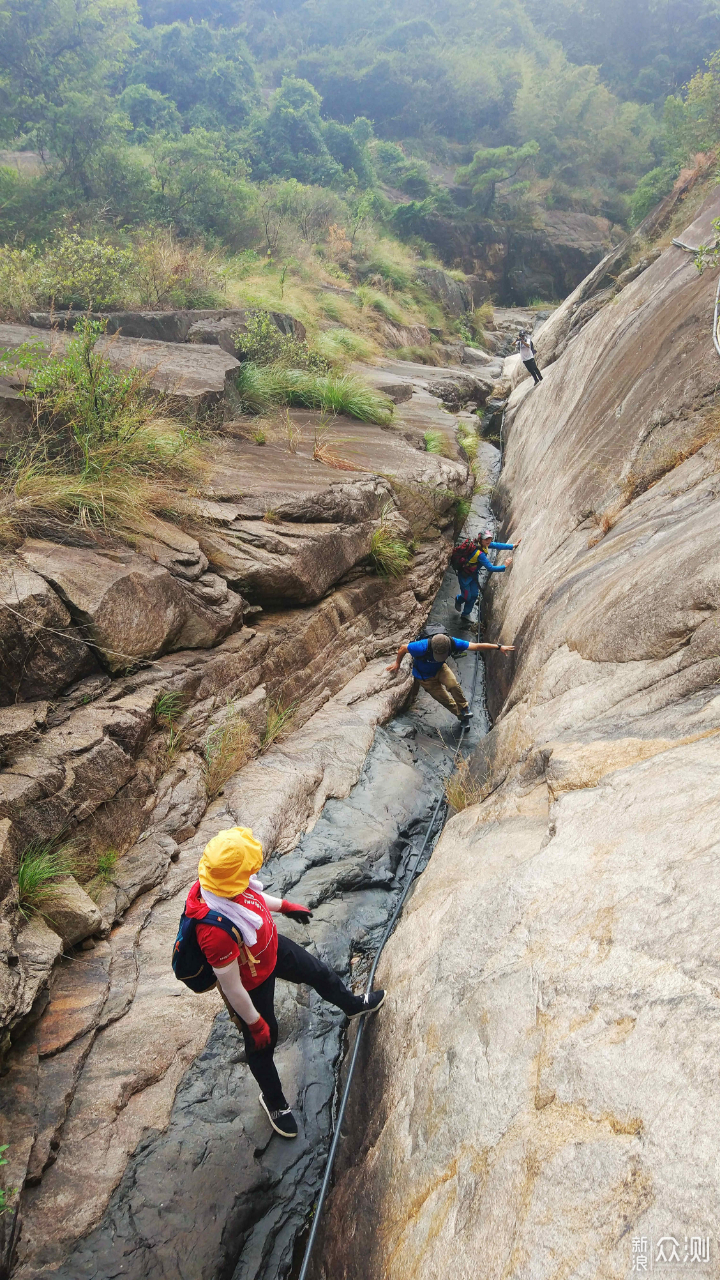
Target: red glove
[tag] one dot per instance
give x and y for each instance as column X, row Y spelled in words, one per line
column 296, row 911
column 260, row 1033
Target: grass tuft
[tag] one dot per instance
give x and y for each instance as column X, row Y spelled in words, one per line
column 390, row 555
column 260, row 388
column 436, row 443
column 227, row 748
column 41, row 867
column 279, row 722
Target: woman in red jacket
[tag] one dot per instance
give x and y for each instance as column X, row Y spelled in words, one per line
column 228, row 884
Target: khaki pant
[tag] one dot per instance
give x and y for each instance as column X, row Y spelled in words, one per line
column 445, row 689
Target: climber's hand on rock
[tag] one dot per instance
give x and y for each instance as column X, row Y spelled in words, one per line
column 394, row 667
column 517, row 544
column 260, row 1033
column 507, row 649
column 296, row 912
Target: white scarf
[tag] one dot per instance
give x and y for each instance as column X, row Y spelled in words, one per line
column 247, row 921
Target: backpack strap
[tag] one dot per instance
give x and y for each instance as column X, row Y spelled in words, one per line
column 222, row 923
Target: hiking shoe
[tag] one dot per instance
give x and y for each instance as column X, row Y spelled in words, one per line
column 369, row 1004
column 467, row 715
column 282, row 1120
column 458, row 604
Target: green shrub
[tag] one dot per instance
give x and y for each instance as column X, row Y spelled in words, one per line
column 380, row 303
column 419, row 355
column 264, row 344
column 168, row 707
column 279, row 722
column 20, row 288
column 227, row 748
column 85, row 273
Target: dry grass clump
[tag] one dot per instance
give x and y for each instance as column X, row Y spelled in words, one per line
column 228, row 747
column 462, row 790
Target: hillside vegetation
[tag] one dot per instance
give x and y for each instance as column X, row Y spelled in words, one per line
column 226, row 149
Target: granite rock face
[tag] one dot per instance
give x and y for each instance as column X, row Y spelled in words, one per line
column 543, row 1093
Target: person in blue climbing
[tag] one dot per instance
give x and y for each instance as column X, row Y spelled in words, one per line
column 467, row 560
column 431, row 671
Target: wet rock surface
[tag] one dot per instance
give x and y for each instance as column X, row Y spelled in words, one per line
column 547, row 1090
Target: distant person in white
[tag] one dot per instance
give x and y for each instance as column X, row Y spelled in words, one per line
column 526, row 347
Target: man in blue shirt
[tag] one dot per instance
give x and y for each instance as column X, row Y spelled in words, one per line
column 468, row 575
column 431, row 671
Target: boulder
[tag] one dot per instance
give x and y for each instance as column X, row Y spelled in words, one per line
column 193, row 373
column 70, row 912
column 284, row 561
column 405, row 335
column 454, row 295
column 19, row 724
column 41, row 653
column 166, row 326
column 456, row 389
column 131, row 607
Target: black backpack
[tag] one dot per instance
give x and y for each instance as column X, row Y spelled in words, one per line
column 462, row 553
column 432, row 629
column 188, row 959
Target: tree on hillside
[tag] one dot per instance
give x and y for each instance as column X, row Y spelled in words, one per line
column 492, row 167
column 208, row 74
column 58, row 59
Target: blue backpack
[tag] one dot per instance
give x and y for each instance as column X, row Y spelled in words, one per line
column 188, row 959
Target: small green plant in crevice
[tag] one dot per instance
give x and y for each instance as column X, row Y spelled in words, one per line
column 5, row 1193
column 42, row 867
column 100, row 872
column 278, row 722
column 228, row 747
column 272, row 517
column 436, row 443
column 461, row 511
column 259, row 436
column 389, row 553
column 168, row 707
column 419, row 356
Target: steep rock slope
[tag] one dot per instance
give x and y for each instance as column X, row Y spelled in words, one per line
column 541, row 1095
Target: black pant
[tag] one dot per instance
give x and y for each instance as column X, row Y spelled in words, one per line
column 296, row 965
column 531, row 366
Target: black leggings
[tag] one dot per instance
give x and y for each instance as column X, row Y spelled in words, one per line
column 296, row 965
column 531, row 366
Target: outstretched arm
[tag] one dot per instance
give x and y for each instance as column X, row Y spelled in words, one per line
column 492, row 569
column 395, row 667
column 504, row 649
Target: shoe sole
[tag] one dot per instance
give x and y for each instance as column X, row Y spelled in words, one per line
column 374, row 1010
column 283, row 1133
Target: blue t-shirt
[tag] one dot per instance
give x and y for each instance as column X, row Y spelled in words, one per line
column 424, row 665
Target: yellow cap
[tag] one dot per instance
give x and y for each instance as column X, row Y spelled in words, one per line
column 228, row 862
